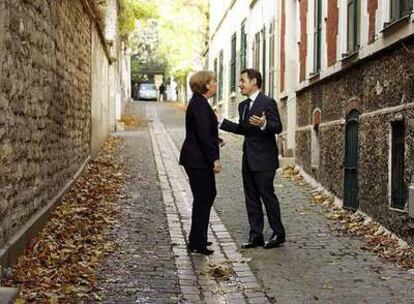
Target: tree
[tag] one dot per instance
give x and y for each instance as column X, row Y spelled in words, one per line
column 183, row 34
column 144, row 44
column 173, row 40
column 133, row 10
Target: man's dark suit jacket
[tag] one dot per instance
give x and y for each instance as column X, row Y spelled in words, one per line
column 259, row 147
column 201, row 145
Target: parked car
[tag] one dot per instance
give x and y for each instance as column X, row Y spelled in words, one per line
column 147, row 91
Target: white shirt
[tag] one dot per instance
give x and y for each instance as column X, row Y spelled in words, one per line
column 253, row 99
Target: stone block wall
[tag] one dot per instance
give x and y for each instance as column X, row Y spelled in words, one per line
column 382, row 86
column 45, row 103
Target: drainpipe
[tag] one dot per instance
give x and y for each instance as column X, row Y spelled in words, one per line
column 411, row 199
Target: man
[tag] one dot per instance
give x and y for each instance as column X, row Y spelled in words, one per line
column 259, row 121
column 161, row 90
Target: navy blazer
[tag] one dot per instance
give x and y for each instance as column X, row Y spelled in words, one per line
column 201, row 145
column 259, row 146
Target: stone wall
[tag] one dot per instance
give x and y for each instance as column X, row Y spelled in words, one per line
column 45, row 103
column 379, row 83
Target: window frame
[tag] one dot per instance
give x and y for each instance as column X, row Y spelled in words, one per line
column 317, row 37
column 398, row 186
column 264, row 61
column 215, row 67
column 221, row 73
column 353, row 27
column 243, row 46
column 233, row 63
column 400, row 9
column 272, row 51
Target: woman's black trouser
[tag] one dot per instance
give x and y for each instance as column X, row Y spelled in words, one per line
column 203, row 187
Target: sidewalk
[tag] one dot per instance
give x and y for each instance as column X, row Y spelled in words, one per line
column 142, row 270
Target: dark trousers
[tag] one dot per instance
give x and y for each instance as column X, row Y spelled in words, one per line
column 259, row 186
column 203, row 187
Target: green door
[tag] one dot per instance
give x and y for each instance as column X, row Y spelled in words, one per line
column 351, row 161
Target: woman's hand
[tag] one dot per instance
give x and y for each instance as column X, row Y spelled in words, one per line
column 217, row 166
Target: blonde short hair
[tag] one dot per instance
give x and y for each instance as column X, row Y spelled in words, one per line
column 200, row 80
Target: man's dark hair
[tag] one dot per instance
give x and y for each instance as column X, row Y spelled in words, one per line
column 253, row 74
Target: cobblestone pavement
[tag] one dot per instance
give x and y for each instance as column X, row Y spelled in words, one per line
column 196, row 283
column 143, row 269
column 316, row 265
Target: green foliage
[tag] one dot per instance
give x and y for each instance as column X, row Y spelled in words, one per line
column 133, row 10
column 183, row 34
column 174, row 38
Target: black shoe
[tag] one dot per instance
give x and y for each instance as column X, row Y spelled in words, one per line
column 201, row 250
column 253, row 242
column 209, row 243
column 274, row 241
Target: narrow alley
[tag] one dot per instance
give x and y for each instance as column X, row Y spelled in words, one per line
column 316, row 265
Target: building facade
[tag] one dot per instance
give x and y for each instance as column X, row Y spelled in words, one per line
column 341, row 73
column 246, row 34
column 355, row 104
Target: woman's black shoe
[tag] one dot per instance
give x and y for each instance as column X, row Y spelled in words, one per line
column 204, row 250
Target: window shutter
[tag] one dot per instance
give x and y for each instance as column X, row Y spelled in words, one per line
column 233, row 63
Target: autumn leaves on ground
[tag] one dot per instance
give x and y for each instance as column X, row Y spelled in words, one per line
column 374, row 236
column 59, row 265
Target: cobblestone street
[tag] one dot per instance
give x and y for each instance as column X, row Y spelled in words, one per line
column 315, row 266
column 96, row 208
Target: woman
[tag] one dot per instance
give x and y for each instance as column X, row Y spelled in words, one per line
column 200, row 157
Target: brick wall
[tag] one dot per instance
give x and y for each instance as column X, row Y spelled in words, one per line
column 332, row 33
column 372, row 9
column 303, row 39
column 374, row 83
column 44, row 104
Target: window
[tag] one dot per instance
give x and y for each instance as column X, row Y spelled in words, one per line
column 317, row 37
column 271, row 59
column 353, row 13
column 400, row 9
column 243, row 46
column 256, row 51
column 233, row 64
column 398, row 185
column 220, row 88
column 215, row 71
column 264, row 75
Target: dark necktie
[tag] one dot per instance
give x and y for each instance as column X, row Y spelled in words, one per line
column 247, row 108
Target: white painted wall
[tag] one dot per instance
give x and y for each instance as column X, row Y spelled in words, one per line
column 111, row 83
column 100, row 94
column 291, row 69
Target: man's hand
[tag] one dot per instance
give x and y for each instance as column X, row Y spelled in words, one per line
column 258, row 121
column 217, row 166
